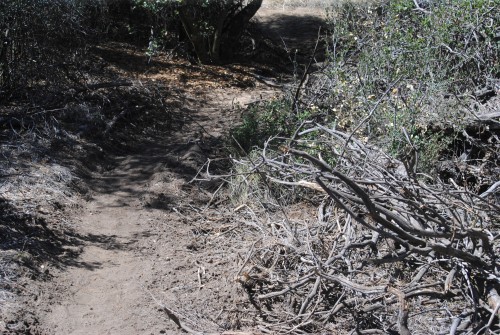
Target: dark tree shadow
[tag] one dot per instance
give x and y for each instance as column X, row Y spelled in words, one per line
column 36, row 242
column 285, row 41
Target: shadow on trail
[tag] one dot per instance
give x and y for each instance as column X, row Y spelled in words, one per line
column 295, row 34
column 134, row 173
column 30, row 241
column 118, row 140
column 298, row 32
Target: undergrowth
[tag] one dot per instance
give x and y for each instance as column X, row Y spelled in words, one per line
column 397, row 101
column 419, row 66
column 398, row 76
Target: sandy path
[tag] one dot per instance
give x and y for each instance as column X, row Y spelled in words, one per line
column 134, row 244
column 106, row 292
column 107, row 289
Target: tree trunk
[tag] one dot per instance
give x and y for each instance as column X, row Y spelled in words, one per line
column 236, row 26
column 189, row 22
column 4, row 61
column 218, row 38
column 215, row 31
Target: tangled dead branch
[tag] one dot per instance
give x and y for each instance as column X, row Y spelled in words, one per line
column 389, row 248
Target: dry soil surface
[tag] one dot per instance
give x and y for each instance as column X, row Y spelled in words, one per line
column 151, row 242
column 140, row 230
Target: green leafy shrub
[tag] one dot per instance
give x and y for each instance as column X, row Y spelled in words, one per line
column 268, row 119
column 262, row 121
column 154, row 22
column 410, row 67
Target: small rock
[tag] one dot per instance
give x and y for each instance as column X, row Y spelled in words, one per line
column 42, row 210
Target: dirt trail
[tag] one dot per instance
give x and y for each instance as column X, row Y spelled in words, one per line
column 106, row 291
column 140, row 246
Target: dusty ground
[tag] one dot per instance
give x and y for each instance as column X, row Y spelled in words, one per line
column 142, row 223
column 144, row 241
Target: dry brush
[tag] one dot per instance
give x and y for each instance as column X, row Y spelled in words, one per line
column 389, row 251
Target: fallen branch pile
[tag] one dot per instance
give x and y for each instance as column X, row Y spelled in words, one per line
column 389, row 251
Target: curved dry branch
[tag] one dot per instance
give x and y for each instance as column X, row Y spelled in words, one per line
column 385, row 245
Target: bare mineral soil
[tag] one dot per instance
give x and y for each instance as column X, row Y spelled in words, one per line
column 152, row 250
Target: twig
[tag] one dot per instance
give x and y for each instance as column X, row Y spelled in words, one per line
column 490, row 190
column 305, row 75
column 403, row 311
column 174, row 317
column 112, row 123
column 103, row 85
